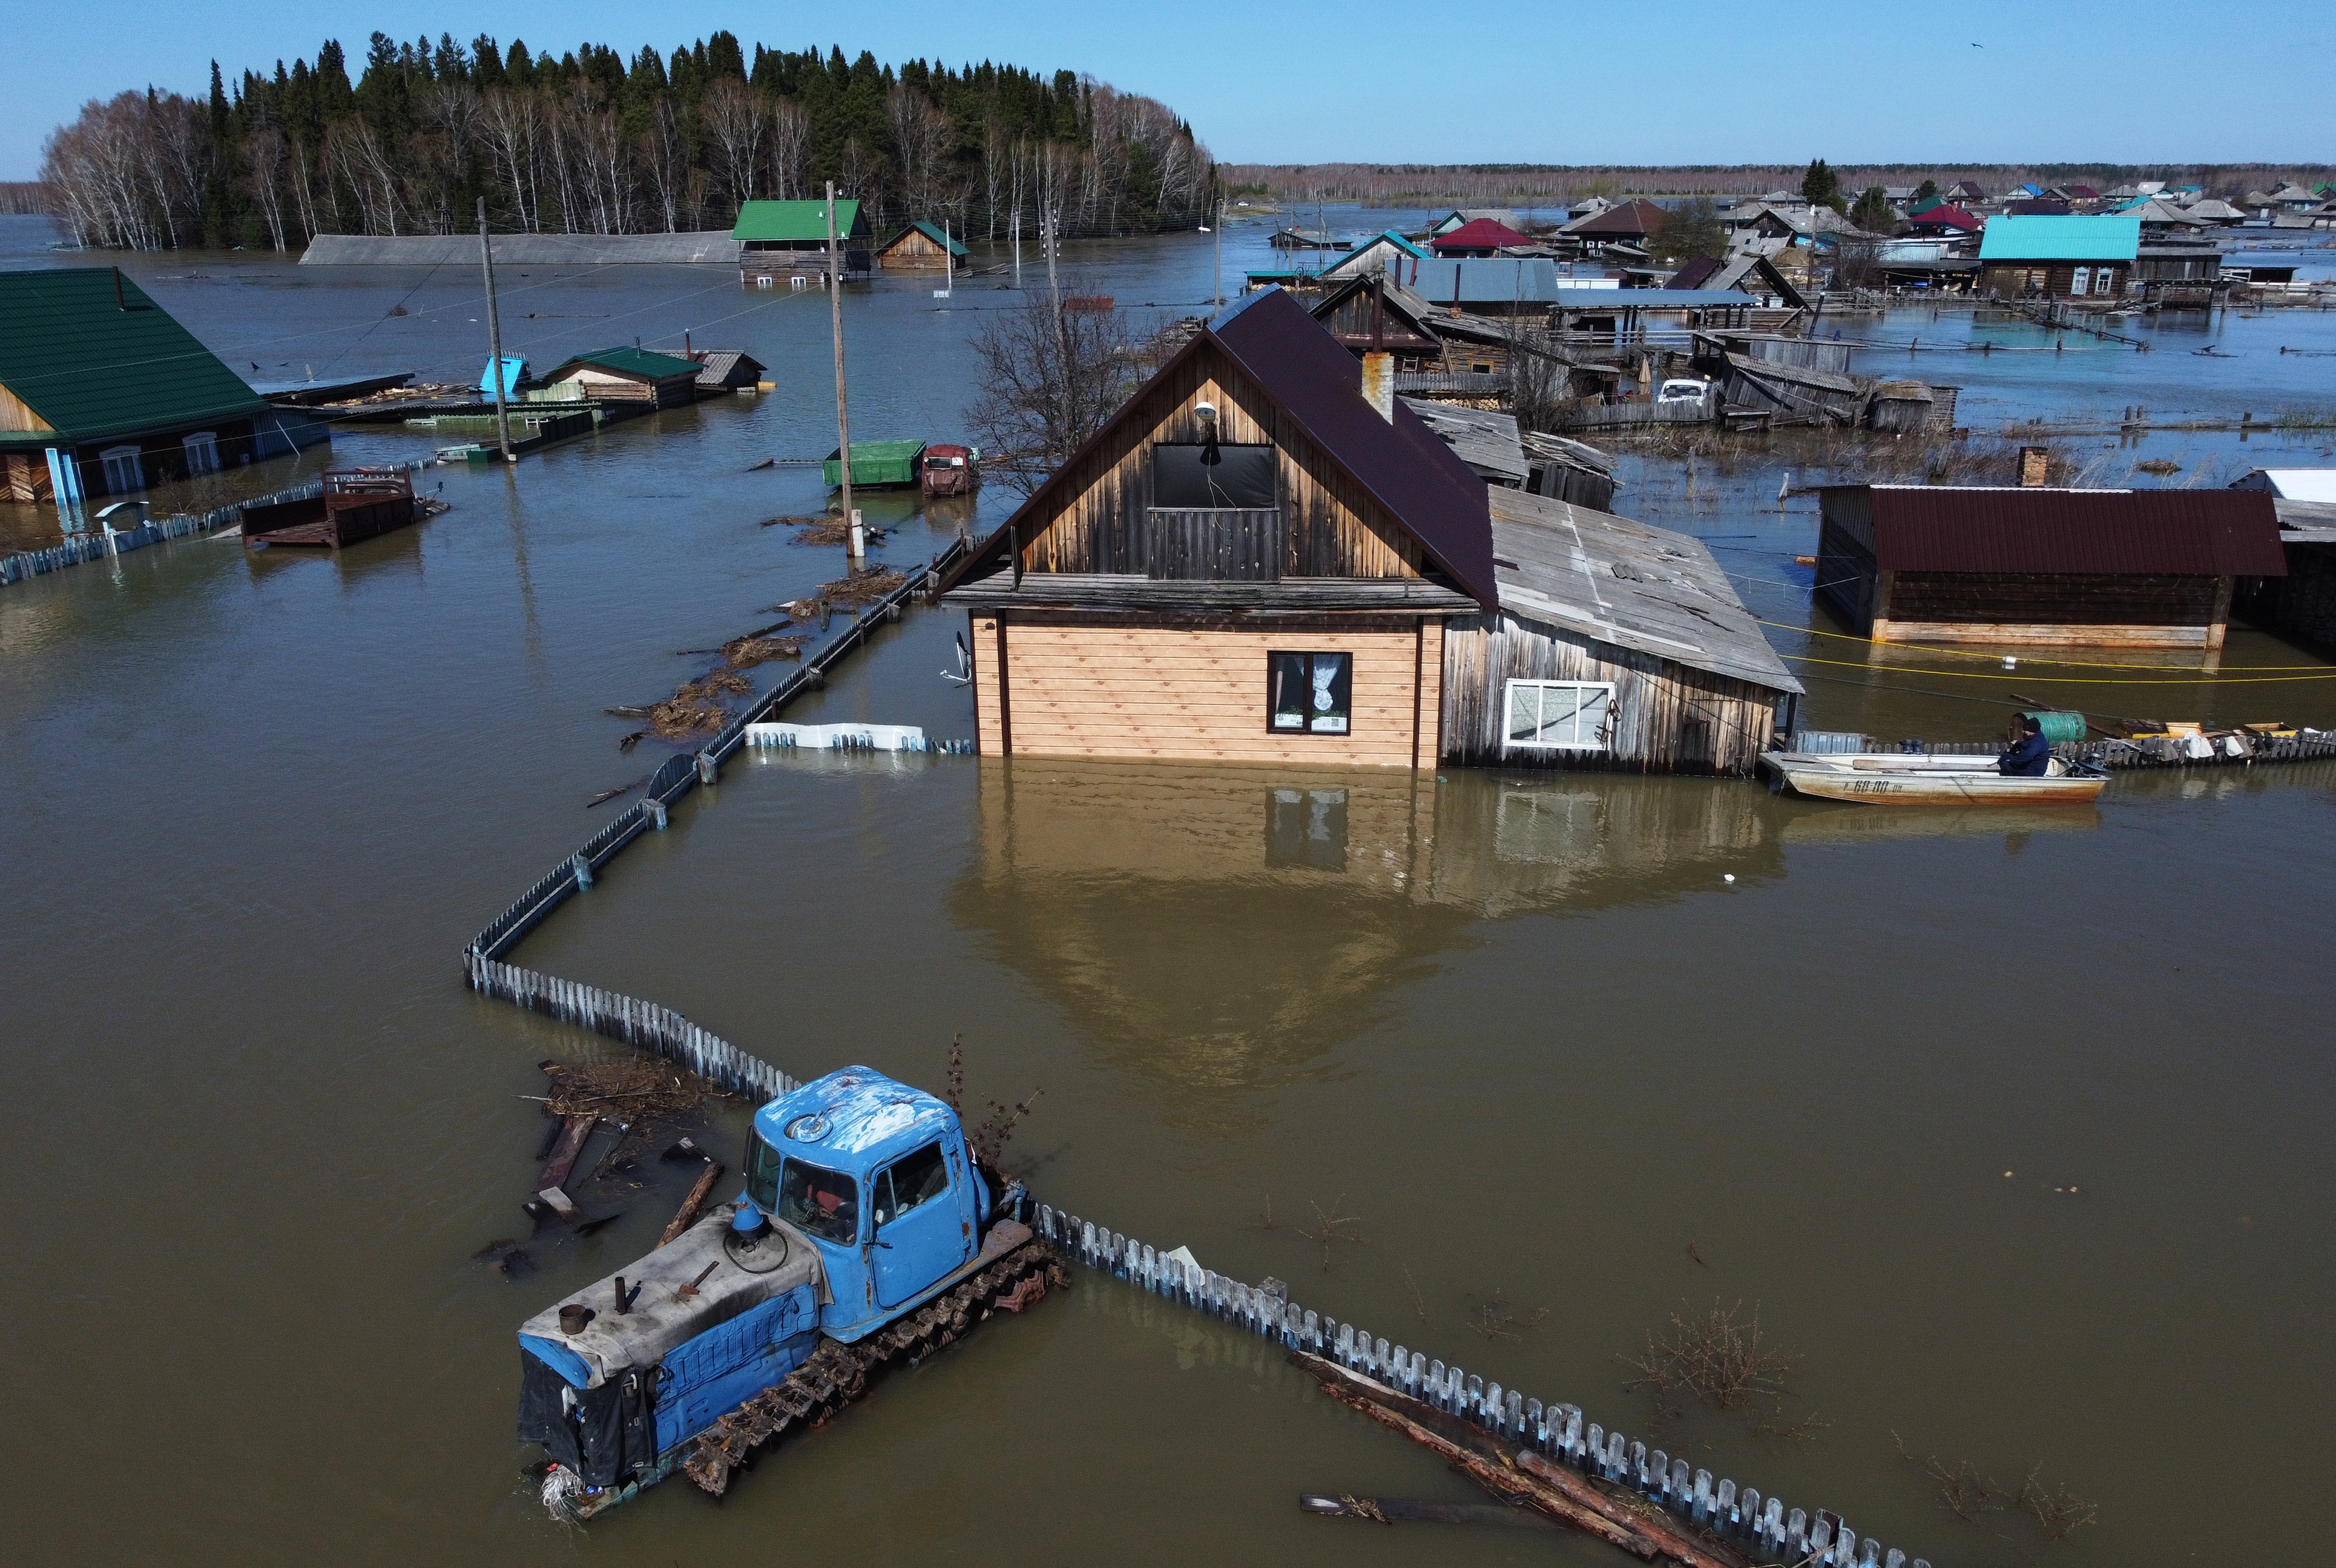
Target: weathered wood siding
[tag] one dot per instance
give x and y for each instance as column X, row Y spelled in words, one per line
column 1098, row 521
column 1668, row 718
column 1213, row 545
column 1108, row 686
column 912, row 252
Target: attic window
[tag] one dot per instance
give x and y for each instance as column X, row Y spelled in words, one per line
column 1212, row 477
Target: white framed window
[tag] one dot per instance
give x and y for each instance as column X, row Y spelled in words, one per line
column 2082, row 282
column 1557, row 716
column 202, row 452
column 125, row 470
column 2105, row 280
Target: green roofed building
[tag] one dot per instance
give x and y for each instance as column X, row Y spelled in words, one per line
column 629, row 375
column 103, row 393
column 2048, row 257
column 798, row 225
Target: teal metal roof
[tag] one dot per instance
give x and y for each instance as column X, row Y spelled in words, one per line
column 93, row 363
column 2107, row 239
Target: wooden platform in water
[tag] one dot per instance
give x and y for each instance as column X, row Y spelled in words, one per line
column 356, row 504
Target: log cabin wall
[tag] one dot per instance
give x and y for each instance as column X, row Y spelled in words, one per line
column 1329, row 526
column 1668, row 718
column 1150, row 688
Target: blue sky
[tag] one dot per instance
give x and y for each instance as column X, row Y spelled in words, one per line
column 1370, row 79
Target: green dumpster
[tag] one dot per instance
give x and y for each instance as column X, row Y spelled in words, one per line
column 878, row 463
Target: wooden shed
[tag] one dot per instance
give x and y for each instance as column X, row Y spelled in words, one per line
column 1617, row 646
column 630, row 376
column 921, row 247
column 725, row 370
column 2039, row 566
column 1370, row 311
column 2058, row 257
column 1250, row 561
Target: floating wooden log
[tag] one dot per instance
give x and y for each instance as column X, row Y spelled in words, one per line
column 1621, row 1519
column 1410, row 1510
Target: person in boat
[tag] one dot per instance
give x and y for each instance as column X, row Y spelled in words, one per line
column 2030, row 755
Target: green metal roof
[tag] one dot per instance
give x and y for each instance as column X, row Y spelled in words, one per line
column 633, row 361
column 796, row 221
column 2106, row 238
column 932, row 231
column 95, row 365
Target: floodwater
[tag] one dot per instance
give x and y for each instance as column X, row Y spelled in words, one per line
column 2012, row 1128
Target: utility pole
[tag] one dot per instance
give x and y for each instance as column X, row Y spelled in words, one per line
column 843, row 419
column 1218, row 297
column 494, row 335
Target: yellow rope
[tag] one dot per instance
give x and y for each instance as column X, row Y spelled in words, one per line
column 2325, row 674
column 1968, row 653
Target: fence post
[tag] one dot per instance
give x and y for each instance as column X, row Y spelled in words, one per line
column 583, row 871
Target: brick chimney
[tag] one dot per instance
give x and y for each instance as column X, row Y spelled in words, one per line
column 2035, row 467
column 1378, row 383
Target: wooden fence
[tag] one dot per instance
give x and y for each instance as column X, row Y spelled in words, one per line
column 73, row 552
column 1557, row 1431
column 1596, row 416
column 643, row 1024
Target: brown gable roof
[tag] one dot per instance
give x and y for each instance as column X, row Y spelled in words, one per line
column 2182, row 533
column 1430, row 493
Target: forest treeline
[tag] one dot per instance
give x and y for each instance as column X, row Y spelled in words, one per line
column 1520, row 184
column 590, row 142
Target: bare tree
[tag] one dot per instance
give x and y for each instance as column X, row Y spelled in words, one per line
column 513, row 124
column 665, row 155
column 356, row 153
column 790, row 151
column 1049, row 379
column 920, row 132
column 735, row 118
column 263, row 158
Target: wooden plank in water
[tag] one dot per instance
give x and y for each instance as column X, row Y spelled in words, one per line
column 687, row 1213
column 562, row 1157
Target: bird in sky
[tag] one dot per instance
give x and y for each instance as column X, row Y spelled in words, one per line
column 1978, row 45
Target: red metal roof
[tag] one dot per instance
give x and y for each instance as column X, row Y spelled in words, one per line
column 1636, row 219
column 1478, row 234
column 2181, row 532
column 1946, row 215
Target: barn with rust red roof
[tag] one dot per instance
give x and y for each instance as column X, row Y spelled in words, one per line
column 2040, row 567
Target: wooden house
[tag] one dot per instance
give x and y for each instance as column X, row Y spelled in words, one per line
column 1371, row 312
column 2058, row 257
column 1375, row 255
column 725, row 370
column 921, row 247
column 1616, row 646
column 2040, row 567
column 1629, row 221
column 1250, row 561
column 629, row 375
column 103, row 393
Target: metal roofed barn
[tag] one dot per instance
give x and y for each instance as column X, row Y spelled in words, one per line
column 2111, row 568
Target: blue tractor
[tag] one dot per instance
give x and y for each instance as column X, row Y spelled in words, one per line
column 866, row 1233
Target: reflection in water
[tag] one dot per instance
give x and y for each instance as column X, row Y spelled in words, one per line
column 1219, row 924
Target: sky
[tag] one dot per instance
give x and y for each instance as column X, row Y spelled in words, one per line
column 1378, row 81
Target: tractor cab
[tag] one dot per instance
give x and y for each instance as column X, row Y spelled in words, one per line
column 875, row 1174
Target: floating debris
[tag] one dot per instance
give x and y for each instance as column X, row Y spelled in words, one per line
column 861, row 587
column 677, row 720
column 746, row 653
column 832, row 530
column 632, row 1088
column 605, row 795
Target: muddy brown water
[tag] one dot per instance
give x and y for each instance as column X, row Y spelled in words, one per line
column 1515, row 1030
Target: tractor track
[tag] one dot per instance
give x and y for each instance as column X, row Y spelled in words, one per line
column 837, row 1374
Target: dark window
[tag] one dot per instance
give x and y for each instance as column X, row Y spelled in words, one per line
column 821, row 1202
column 919, row 1179
column 1216, row 475
column 1309, row 693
